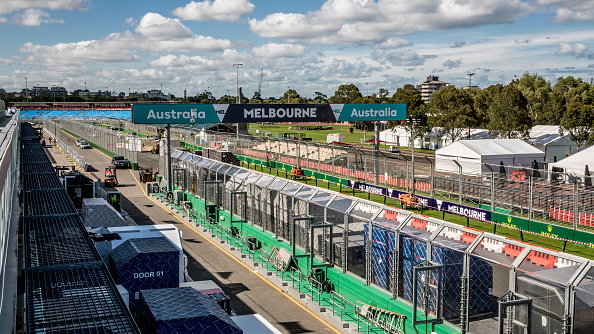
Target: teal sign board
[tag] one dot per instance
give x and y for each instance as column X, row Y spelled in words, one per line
column 255, row 113
column 369, row 112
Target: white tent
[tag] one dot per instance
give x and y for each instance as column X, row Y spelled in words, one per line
column 473, row 155
column 548, row 139
column 399, row 135
column 576, row 164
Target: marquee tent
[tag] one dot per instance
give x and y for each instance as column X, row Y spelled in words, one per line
column 473, row 155
column 576, row 164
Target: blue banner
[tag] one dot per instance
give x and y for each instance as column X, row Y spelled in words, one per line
column 429, row 202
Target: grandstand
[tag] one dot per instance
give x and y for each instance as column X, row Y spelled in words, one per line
column 73, row 110
column 321, row 153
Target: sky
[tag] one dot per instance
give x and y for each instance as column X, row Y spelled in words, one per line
column 310, row 46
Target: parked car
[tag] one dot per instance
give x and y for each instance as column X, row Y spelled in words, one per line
column 120, row 162
column 82, row 143
column 394, row 149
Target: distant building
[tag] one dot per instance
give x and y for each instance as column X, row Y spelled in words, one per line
column 157, row 94
column 2, row 92
column 56, row 91
column 90, row 95
column 430, row 86
column 39, row 90
column 136, row 95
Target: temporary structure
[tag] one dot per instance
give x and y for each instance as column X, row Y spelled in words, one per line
column 473, row 156
column 548, row 139
column 575, row 165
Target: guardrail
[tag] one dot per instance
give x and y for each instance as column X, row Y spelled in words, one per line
column 78, row 159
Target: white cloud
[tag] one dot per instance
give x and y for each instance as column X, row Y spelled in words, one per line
column 217, row 10
column 570, row 10
column 575, row 49
column 400, row 58
column 452, row 63
column 5, row 62
column 117, row 47
column 9, row 6
column 276, row 50
column 195, row 43
column 130, row 21
column 153, row 25
column 392, row 43
column 355, row 21
column 33, row 17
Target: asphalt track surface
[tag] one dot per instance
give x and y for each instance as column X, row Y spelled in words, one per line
column 250, row 293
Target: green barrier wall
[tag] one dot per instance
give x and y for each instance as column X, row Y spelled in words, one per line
column 351, row 287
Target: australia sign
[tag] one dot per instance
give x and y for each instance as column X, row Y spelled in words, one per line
column 254, row 113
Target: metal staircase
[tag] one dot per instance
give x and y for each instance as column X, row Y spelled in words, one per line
column 391, row 322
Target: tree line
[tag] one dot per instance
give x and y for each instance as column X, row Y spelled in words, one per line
column 507, row 111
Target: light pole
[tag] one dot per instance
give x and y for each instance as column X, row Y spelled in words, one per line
column 238, row 100
column 413, row 120
column 27, row 89
column 161, row 94
column 288, row 87
column 470, row 79
column 366, row 89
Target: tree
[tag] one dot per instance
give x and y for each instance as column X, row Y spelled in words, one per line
column 412, row 98
column 578, row 120
column 320, row 98
column 205, row 97
column 257, row 98
column 482, row 100
column 452, row 111
column 508, row 116
column 383, row 93
column 537, row 92
column 291, row 96
column 346, row 94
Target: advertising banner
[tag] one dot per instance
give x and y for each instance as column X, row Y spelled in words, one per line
column 463, row 210
column 255, row 113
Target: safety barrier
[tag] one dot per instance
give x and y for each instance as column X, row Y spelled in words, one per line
column 78, row 159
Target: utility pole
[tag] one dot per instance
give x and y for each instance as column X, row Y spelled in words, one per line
column 27, row 89
column 470, row 79
column 238, row 99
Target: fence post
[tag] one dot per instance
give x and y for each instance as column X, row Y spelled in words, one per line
column 576, row 215
column 530, row 196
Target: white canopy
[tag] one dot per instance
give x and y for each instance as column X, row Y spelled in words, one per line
column 472, row 155
column 576, row 164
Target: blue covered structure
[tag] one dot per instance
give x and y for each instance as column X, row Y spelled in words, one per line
column 182, row 310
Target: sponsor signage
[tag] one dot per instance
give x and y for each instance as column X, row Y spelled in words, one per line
column 463, row 210
column 254, row 113
column 457, row 209
column 368, row 188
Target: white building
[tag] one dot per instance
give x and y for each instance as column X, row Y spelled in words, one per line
column 431, row 85
column 473, row 156
column 548, row 139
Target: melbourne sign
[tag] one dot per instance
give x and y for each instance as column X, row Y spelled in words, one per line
column 254, row 113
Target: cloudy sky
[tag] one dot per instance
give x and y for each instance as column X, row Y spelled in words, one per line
column 305, row 45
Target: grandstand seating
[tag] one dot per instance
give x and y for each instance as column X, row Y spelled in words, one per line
column 76, row 114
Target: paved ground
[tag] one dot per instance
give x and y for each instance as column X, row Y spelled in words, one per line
column 250, row 293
